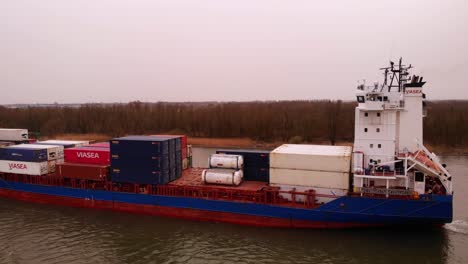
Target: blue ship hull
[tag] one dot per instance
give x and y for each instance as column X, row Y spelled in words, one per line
column 343, row 212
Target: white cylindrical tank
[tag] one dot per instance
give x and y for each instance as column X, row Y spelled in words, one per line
column 226, row 161
column 222, row 176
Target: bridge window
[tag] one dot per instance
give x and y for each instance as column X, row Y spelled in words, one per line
column 419, row 176
column 379, row 145
column 377, row 129
column 360, row 99
column 365, row 129
column 378, row 114
column 366, row 114
column 371, row 145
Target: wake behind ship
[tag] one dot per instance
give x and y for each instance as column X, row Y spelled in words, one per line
column 387, row 178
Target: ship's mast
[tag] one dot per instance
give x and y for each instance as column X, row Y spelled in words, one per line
column 396, row 77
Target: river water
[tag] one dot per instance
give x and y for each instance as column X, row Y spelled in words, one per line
column 31, row 233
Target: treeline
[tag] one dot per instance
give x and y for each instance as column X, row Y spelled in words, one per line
column 298, row 121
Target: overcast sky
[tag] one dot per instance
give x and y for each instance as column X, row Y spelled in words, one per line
column 225, row 50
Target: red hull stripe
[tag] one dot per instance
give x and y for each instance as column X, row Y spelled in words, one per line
column 185, row 213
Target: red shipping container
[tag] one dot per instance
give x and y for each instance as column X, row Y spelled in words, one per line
column 184, row 141
column 99, row 145
column 82, row 171
column 88, row 155
column 184, row 152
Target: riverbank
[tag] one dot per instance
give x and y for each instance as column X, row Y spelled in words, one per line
column 251, row 143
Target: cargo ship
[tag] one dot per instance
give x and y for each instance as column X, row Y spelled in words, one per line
column 387, row 178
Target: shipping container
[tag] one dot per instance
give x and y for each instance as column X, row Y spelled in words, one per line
column 27, row 167
column 256, row 163
column 138, row 175
column 323, row 179
column 88, row 155
column 174, row 141
column 256, row 174
column 184, row 152
column 183, row 139
column 252, row 157
column 161, row 162
column 53, row 152
column 65, row 143
column 100, row 145
column 82, row 171
column 143, row 159
column 189, row 151
column 31, row 155
column 136, row 147
column 13, row 134
column 312, row 157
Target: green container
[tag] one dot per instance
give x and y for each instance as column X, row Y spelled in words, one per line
column 189, row 162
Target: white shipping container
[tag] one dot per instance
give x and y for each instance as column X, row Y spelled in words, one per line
column 322, row 179
column 53, row 152
column 323, row 195
column 75, row 143
column 29, row 168
column 13, row 134
column 312, row 157
column 189, row 150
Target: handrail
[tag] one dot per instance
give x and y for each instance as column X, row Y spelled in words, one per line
column 262, row 196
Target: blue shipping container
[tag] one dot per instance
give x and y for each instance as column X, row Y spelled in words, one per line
column 256, row 163
column 252, row 157
column 139, row 175
column 136, row 146
column 161, row 162
column 257, row 174
column 16, row 154
column 177, row 140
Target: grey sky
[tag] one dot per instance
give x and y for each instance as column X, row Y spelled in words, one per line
column 226, row 50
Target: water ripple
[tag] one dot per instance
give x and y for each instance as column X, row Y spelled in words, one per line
column 32, row 233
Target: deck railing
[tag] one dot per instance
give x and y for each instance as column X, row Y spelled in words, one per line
column 384, row 192
column 267, row 195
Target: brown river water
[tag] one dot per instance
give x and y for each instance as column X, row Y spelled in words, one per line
column 32, row 233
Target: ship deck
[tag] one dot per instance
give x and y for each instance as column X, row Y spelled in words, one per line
column 192, row 178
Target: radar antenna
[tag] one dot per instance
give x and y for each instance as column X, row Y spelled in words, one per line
column 395, row 76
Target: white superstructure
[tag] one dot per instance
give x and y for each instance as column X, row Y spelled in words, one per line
column 388, row 145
